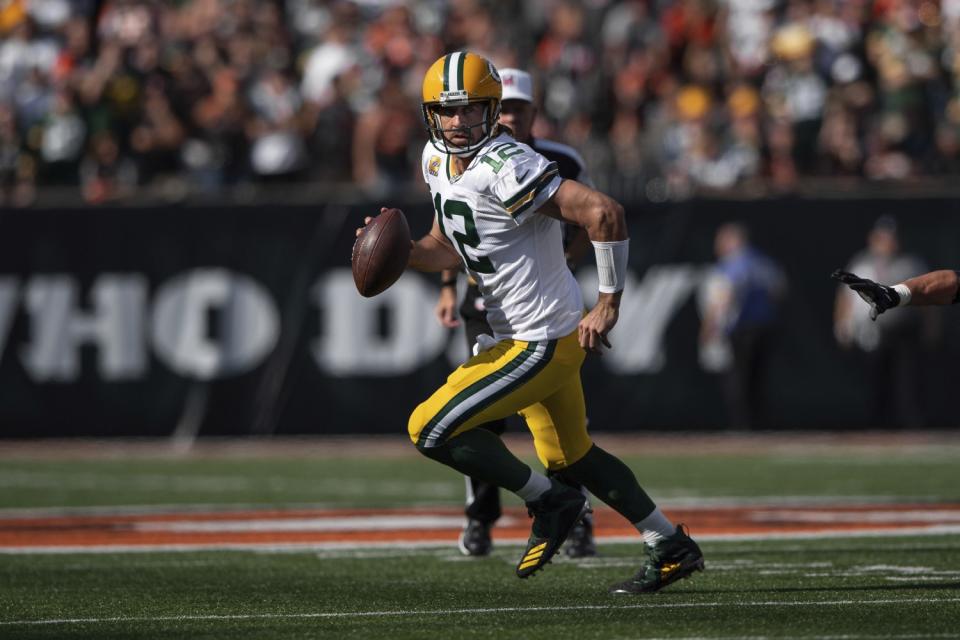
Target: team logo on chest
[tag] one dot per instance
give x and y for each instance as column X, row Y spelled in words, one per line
column 434, row 165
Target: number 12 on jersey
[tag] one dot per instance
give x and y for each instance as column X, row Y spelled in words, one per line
column 470, row 237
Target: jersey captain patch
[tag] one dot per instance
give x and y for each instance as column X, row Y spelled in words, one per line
column 434, row 165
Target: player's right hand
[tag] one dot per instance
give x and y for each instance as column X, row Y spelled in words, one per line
column 366, row 221
column 879, row 296
column 446, row 309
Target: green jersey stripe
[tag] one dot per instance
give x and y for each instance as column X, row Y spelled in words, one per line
column 532, row 185
column 526, row 205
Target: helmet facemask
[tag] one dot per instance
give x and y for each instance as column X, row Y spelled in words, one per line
column 431, row 117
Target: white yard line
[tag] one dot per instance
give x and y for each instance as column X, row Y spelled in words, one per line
column 492, row 610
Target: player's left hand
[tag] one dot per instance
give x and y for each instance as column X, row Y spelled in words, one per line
column 880, row 297
column 446, row 309
column 595, row 326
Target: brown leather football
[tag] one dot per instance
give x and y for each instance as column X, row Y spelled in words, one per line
column 381, row 252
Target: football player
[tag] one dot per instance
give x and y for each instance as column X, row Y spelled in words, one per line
column 517, row 112
column 935, row 288
column 499, row 206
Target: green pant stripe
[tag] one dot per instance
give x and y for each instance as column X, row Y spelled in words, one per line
column 477, row 386
column 484, row 383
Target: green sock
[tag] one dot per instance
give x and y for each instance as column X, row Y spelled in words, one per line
column 608, row 478
column 480, row 454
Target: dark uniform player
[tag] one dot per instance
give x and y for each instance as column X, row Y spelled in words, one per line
column 483, row 499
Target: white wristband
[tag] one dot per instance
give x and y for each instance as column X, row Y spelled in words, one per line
column 611, row 264
column 905, row 294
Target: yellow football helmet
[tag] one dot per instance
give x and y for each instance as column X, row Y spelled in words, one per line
column 457, row 79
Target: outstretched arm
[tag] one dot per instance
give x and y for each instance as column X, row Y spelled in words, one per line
column 934, row 288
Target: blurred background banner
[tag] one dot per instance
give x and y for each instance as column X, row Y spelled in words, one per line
column 245, row 320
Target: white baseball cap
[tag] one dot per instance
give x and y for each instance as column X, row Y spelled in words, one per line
column 517, row 85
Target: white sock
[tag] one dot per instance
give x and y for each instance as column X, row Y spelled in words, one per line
column 905, row 294
column 536, row 486
column 655, row 527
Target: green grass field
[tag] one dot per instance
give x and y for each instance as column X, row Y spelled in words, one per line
column 855, row 586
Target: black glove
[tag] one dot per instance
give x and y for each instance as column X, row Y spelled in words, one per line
column 880, row 297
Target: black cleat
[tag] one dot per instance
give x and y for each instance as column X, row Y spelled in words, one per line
column 580, row 543
column 670, row 560
column 475, row 539
column 554, row 515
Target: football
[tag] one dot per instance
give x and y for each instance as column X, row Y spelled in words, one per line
column 381, row 252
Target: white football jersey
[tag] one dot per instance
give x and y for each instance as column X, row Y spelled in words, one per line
column 516, row 256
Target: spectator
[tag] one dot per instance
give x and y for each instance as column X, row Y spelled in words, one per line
column 569, row 62
column 63, row 134
column 795, row 93
column 331, row 141
column 277, row 147
column 159, row 135
column 106, row 174
column 221, row 119
column 385, row 137
column 743, row 295
column 748, row 24
column 838, row 143
column 24, row 55
column 662, row 95
column 745, row 136
column 17, row 168
column 336, row 53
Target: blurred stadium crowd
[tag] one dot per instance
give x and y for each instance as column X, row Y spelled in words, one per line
column 664, row 99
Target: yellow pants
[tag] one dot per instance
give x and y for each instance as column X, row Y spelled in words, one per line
column 538, row 380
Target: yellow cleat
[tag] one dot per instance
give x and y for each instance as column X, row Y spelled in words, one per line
column 554, row 516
